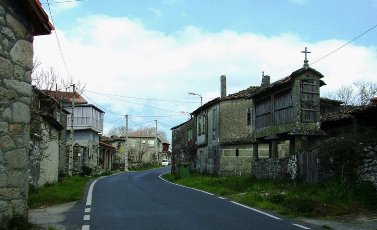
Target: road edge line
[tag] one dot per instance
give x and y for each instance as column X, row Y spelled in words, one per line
column 256, row 210
column 208, row 193
column 244, row 206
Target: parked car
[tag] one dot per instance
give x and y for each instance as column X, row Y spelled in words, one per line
column 165, row 162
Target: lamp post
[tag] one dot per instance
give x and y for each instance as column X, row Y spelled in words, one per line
column 201, row 98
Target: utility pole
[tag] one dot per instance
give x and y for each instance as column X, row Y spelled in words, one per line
column 156, row 144
column 72, row 135
column 126, row 151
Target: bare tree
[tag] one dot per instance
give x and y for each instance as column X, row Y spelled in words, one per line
column 50, row 80
column 120, row 131
column 365, row 91
column 359, row 93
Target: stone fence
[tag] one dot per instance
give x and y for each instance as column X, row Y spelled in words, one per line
column 313, row 169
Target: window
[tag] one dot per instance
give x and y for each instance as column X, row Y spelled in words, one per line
column 150, row 143
column 214, row 124
column 201, row 124
column 189, row 135
column 263, row 113
column 283, row 107
column 309, row 100
column 249, row 116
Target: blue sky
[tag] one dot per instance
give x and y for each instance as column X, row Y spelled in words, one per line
column 130, row 51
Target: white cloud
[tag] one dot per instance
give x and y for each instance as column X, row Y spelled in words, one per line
column 119, row 56
column 59, row 7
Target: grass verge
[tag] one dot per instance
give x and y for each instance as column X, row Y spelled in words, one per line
column 302, row 200
column 68, row 189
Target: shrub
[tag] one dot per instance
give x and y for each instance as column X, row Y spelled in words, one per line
column 86, row 171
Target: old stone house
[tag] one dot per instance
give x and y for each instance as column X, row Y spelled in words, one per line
column 48, row 130
column 184, row 145
column 270, row 121
column 141, row 148
column 285, row 117
column 288, row 110
column 87, row 126
column 223, row 136
column 20, row 21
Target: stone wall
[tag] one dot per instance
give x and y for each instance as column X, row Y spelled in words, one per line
column 236, row 160
column 272, row 168
column 368, row 167
column 184, row 150
column 16, row 62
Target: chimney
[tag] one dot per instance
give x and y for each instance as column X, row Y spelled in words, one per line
column 223, row 86
column 265, row 80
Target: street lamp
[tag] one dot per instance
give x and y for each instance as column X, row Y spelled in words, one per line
column 201, row 98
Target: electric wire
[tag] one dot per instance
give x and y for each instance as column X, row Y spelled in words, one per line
column 149, row 106
column 340, row 47
column 64, row 1
column 147, row 99
column 57, row 39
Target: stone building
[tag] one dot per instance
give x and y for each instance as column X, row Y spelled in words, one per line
column 223, row 135
column 87, row 126
column 20, row 21
column 48, row 136
column 285, row 118
column 184, row 145
column 141, row 148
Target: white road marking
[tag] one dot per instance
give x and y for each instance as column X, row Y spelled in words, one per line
column 85, row 227
column 87, row 209
column 222, row 198
column 86, row 217
column 244, row 206
column 301, row 226
column 183, row 185
column 90, row 192
column 256, row 210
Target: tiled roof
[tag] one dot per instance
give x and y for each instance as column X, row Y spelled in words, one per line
column 347, row 112
column 284, row 81
column 32, row 9
column 239, row 95
column 66, row 97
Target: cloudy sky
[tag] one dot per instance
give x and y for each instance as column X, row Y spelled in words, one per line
column 142, row 57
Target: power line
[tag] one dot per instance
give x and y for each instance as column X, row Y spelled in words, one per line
column 96, row 104
column 143, row 105
column 57, row 39
column 337, row 49
column 65, row 1
column 141, row 98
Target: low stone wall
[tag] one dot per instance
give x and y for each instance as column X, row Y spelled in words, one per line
column 233, row 165
column 313, row 170
column 272, row 168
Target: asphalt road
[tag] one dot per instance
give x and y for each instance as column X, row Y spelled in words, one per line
column 142, row 200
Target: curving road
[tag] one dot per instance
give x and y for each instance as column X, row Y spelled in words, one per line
column 142, row 200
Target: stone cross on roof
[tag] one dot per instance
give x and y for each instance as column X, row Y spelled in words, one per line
column 306, row 64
